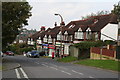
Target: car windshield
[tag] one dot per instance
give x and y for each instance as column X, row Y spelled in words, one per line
column 34, row 52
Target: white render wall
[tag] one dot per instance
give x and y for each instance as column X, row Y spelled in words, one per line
column 110, row 30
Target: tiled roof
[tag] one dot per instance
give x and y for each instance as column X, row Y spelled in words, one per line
column 103, row 20
column 95, row 23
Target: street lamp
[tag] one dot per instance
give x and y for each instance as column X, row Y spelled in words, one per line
column 61, row 25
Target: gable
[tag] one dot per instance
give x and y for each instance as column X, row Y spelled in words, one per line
column 49, row 36
column 79, row 29
column 45, row 36
column 59, row 32
column 66, row 32
column 88, row 29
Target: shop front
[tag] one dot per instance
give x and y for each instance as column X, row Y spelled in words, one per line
column 59, row 49
column 51, row 49
column 45, row 48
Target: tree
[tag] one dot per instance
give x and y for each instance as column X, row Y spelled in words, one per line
column 95, row 14
column 14, row 16
column 116, row 10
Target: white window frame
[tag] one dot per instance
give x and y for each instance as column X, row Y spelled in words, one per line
column 79, row 34
column 49, row 39
column 45, row 38
column 88, row 35
column 66, row 36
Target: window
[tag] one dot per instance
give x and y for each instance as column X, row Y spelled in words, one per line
column 58, row 37
column 71, row 38
column 95, row 21
column 45, row 39
column 79, row 35
column 72, row 26
column 96, row 36
column 76, row 35
column 49, row 39
column 66, row 36
column 88, row 34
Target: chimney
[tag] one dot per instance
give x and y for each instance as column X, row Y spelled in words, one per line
column 62, row 23
column 55, row 24
column 42, row 28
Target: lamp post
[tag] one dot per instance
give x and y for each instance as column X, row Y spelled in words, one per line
column 61, row 25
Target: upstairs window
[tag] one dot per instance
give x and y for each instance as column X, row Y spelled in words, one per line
column 95, row 21
column 66, row 36
column 45, row 38
column 58, row 37
column 88, row 34
column 79, row 34
column 72, row 26
column 96, row 36
column 49, row 39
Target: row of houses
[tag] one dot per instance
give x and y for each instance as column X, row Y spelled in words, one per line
column 59, row 38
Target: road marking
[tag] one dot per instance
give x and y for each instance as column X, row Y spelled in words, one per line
column 77, row 72
column 44, row 65
column 37, row 62
column 17, row 73
column 24, row 74
column 91, row 77
column 54, row 68
column 63, row 68
column 65, row 72
column 54, row 65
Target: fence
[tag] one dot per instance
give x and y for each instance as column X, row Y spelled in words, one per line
column 101, row 53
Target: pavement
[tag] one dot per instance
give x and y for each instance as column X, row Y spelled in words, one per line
column 8, row 64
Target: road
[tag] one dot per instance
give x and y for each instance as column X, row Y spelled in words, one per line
column 48, row 68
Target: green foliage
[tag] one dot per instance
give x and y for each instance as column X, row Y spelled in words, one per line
column 19, row 48
column 109, row 42
column 67, row 59
column 105, row 64
column 116, row 9
column 88, row 44
column 14, row 16
column 95, row 14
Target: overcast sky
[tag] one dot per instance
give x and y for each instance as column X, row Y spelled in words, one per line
column 43, row 11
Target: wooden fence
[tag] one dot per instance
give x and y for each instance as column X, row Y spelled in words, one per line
column 101, row 53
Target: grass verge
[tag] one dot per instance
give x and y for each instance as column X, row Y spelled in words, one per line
column 67, row 59
column 105, row 64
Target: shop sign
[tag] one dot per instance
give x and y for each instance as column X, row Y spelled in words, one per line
column 51, row 47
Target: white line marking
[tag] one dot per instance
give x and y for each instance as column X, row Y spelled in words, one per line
column 77, row 72
column 54, row 65
column 63, row 68
column 44, row 65
column 24, row 74
column 54, row 68
column 45, row 62
column 91, row 77
column 36, row 62
column 66, row 72
column 17, row 73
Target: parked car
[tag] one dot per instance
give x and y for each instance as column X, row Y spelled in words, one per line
column 33, row 53
column 42, row 53
column 10, row 53
column 1, row 53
